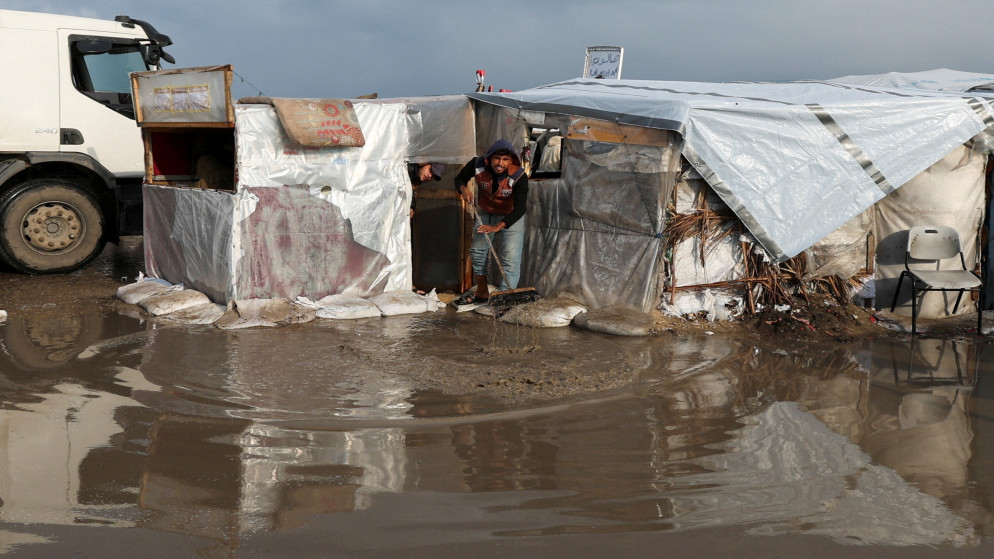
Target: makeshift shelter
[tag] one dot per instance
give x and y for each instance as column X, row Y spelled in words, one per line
column 285, row 197
column 952, row 82
column 809, row 168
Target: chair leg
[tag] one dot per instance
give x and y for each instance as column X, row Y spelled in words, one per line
column 958, row 299
column 893, row 302
column 914, row 310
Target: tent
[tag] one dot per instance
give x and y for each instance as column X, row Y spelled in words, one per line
column 237, row 208
column 796, row 163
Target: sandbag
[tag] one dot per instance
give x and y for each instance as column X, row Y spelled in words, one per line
column 205, row 313
column 345, row 306
column 617, row 321
column 544, row 313
column 172, row 301
column 247, row 313
column 136, row 292
column 405, row 302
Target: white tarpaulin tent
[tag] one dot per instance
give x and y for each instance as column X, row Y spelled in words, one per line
column 799, row 164
column 306, row 221
column 794, row 161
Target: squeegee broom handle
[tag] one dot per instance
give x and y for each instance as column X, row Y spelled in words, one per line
column 491, row 245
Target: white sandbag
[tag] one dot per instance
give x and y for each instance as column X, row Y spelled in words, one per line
column 172, row 301
column 136, row 292
column 247, row 313
column 544, row 313
column 617, row 321
column 205, row 313
column 405, row 302
column 346, row 306
column 483, row 308
column 3, row 317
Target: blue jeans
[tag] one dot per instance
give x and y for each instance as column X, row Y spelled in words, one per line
column 508, row 242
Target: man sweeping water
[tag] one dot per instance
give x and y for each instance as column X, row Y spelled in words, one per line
column 500, row 204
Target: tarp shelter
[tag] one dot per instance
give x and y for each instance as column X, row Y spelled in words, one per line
column 793, row 161
column 952, row 82
column 237, row 210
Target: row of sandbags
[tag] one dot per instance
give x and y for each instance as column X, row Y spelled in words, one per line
column 160, row 298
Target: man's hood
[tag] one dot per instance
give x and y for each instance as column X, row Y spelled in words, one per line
column 499, row 145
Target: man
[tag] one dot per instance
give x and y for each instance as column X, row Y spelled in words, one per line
column 421, row 173
column 500, row 203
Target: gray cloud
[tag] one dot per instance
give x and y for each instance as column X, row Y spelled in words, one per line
column 308, row 48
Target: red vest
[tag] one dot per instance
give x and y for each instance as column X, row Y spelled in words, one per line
column 497, row 199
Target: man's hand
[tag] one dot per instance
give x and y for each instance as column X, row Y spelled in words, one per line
column 491, row 228
column 466, row 193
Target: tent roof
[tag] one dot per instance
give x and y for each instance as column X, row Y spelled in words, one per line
column 941, row 79
column 793, row 160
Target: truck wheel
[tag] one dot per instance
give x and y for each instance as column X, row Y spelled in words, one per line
column 50, row 226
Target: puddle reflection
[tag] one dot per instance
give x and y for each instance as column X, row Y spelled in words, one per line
column 877, row 442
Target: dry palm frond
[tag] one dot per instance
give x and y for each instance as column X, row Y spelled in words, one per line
column 709, row 226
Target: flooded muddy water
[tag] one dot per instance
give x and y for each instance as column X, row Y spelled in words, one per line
column 445, row 435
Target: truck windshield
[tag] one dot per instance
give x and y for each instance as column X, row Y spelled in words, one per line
column 109, row 71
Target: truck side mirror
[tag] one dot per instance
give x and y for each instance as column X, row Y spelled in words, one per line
column 151, row 53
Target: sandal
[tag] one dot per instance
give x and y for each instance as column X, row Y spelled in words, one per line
column 469, row 298
column 419, row 291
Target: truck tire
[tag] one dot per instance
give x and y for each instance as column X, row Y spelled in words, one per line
column 50, row 226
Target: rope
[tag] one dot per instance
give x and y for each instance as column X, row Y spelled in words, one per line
column 261, row 94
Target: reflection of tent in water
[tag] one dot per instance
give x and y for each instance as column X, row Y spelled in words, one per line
column 860, row 457
column 694, row 194
column 788, row 472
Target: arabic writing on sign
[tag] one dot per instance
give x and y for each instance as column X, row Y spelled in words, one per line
column 604, row 62
column 183, row 99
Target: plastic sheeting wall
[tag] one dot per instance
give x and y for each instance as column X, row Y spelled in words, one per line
column 596, row 233
column 188, row 238
column 723, row 260
column 842, row 252
column 306, row 221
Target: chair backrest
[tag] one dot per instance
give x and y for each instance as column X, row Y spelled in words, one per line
column 933, row 242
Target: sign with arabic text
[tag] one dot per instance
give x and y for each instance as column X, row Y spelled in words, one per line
column 603, row 62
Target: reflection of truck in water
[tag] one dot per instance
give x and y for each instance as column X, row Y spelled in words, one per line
column 71, row 156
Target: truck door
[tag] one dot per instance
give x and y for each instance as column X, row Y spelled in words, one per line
column 97, row 114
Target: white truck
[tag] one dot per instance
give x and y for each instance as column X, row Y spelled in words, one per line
column 71, row 154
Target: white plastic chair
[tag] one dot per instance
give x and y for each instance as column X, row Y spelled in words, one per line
column 936, row 243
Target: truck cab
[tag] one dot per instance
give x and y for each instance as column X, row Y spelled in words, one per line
column 71, row 154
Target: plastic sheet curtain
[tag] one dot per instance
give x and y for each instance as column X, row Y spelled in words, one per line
column 596, row 233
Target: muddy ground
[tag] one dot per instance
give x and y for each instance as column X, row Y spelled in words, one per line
column 509, row 363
